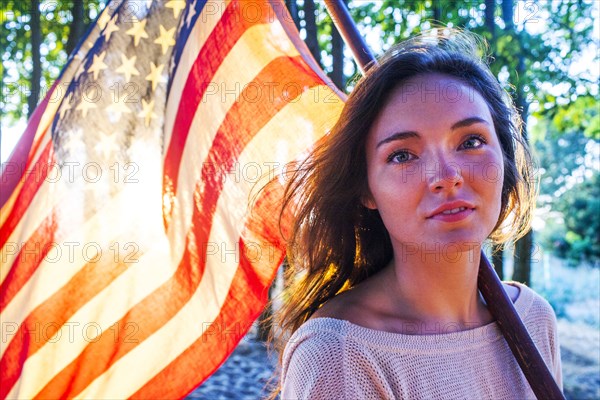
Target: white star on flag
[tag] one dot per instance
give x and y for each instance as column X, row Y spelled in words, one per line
column 177, row 6
column 98, row 64
column 155, row 75
column 147, row 112
column 127, row 67
column 166, row 39
column 85, row 105
column 138, row 31
column 117, row 108
column 103, row 19
column 110, row 28
column 115, row 115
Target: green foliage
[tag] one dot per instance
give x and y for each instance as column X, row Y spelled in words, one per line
column 558, row 156
column 547, row 37
column 553, row 236
column 16, row 56
column 15, row 49
column 569, row 192
column 580, row 206
column 581, row 115
column 533, row 50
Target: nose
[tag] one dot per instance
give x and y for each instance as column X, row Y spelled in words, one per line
column 444, row 175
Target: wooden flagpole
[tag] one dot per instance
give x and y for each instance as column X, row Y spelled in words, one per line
column 515, row 333
column 501, row 307
column 345, row 25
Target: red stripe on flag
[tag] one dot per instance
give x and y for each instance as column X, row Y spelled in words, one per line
column 43, row 322
column 243, row 304
column 243, row 121
column 219, row 43
column 23, row 151
column 217, row 342
column 29, row 257
column 37, row 174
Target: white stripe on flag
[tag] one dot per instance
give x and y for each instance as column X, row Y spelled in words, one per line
column 206, row 22
column 45, row 281
column 211, row 113
column 39, row 209
column 132, row 286
column 131, row 372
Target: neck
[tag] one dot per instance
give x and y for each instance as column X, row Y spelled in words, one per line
column 438, row 290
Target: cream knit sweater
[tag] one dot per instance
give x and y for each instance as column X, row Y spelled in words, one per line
column 329, row 358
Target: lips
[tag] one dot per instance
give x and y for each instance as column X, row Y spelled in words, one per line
column 452, row 211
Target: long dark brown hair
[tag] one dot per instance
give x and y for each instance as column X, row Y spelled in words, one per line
column 335, row 241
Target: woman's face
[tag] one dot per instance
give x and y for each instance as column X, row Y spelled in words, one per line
column 434, row 166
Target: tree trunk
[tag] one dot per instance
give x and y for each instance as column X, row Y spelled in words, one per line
column 311, row 30
column 522, row 271
column 77, row 27
column 437, row 11
column 292, row 7
column 507, row 14
column 524, row 246
column 490, row 24
column 521, row 98
column 36, row 42
column 337, row 53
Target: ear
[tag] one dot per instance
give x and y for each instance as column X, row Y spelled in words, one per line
column 368, row 201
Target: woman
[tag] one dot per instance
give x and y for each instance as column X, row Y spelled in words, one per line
column 425, row 164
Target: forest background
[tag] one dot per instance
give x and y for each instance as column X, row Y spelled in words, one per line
column 545, row 53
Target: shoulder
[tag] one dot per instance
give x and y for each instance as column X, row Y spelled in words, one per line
column 512, row 289
column 539, row 318
column 312, row 362
column 537, row 315
column 316, row 339
column 529, row 303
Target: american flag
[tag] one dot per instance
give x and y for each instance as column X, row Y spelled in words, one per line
column 136, row 245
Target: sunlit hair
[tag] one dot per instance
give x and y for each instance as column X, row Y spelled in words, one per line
column 335, row 241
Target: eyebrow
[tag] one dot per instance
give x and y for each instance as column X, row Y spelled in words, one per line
column 468, row 121
column 412, row 134
column 398, row 136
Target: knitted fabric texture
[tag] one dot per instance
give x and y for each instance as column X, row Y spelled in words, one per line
column 329, row 358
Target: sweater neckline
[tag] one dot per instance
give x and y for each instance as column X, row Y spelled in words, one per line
column 449, row 339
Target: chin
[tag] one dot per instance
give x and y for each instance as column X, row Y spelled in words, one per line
column 460, row 251
column 442, row 249
column 459, row 242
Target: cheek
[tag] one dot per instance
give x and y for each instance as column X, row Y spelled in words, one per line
column 396, row 198
column 491, row 181
column 389, row 188
column 500, row 189
column 498, row 185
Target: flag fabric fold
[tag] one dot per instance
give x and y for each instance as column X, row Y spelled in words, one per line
column 138, row 235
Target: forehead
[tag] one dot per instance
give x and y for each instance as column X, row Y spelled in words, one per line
column 428, row 101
